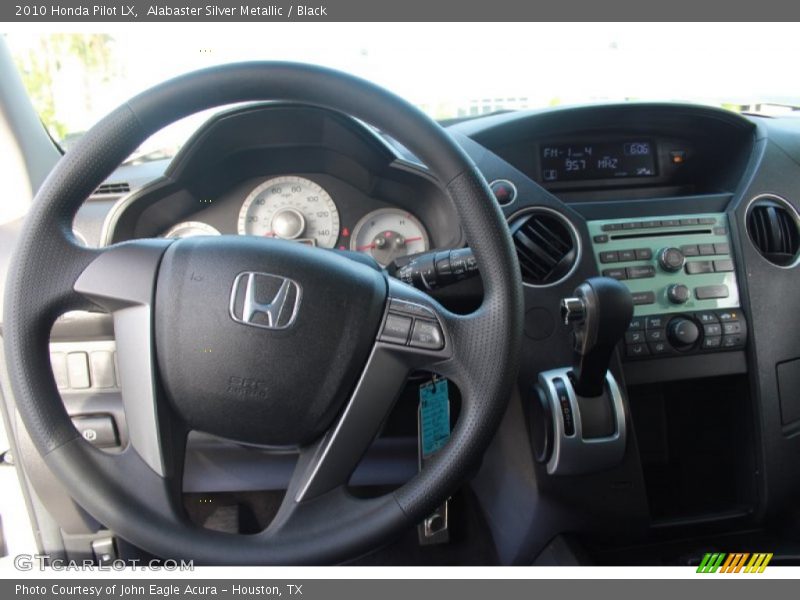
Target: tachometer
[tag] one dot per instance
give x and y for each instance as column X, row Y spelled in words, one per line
column 190, row 229
column 291, row 208
column 388, row 233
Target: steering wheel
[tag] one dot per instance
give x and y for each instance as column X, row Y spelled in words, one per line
column 227, row 334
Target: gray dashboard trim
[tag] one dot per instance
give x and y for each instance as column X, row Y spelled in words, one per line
column 128, row 293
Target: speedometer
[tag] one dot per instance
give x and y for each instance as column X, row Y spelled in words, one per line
column 291, row 208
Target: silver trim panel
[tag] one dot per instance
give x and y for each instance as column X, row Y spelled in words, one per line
column 572, row 454
column 122, row 280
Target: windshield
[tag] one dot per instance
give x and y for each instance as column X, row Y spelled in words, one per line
column 448, row 70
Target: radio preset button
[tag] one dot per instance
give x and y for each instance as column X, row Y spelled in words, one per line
column 690, row 250
column 696, row 267
column 644, row 254
column 627, row 255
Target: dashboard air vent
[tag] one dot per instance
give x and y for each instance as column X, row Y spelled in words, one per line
column 113, row 188
column 546, row 246
column 773, row 229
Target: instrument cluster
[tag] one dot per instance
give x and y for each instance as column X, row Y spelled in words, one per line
column 295, row 208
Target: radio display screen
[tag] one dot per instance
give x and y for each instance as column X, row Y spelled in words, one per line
column 605, row 160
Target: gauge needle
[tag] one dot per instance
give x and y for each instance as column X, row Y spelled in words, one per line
column 372, row 245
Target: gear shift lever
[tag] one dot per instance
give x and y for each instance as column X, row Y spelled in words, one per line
column 600, row 312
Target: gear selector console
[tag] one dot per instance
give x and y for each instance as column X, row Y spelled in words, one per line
column 578, row 421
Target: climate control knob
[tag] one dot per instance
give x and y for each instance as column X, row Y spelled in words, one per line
column 671, row 259
column 678, row 293
column 682, row 333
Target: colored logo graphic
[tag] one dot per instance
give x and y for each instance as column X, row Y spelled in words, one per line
column 736, row 562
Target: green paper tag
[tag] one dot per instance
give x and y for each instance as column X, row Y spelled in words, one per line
column 434, row 416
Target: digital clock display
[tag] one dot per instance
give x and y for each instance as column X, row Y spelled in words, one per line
column 607, row 160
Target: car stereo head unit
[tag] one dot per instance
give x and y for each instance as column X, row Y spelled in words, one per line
column 681, row 273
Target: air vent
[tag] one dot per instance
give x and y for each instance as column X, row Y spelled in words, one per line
column 773, row 229
column 113, row 188
column 546, row 246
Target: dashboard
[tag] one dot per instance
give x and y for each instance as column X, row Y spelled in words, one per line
column 693, row 208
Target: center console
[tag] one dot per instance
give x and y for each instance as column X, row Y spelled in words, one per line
column 681, row 273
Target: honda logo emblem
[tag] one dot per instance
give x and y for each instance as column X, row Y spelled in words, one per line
column 264, row 300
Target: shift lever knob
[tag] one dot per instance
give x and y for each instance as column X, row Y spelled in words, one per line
column 600, row 312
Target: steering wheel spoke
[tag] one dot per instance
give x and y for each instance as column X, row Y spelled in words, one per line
column 401, row 347
column 328, row 463
column 122, row 280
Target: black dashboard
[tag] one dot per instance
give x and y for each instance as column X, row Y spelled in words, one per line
column 693, row 208
column 625, row 151
column 298, row 173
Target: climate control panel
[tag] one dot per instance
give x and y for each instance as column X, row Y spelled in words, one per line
column 655, row 336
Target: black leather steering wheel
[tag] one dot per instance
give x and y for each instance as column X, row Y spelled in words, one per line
column 189, row 359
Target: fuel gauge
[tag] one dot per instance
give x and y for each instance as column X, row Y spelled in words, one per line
column 389, row 233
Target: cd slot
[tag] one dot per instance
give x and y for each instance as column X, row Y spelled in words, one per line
column 649, row 234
